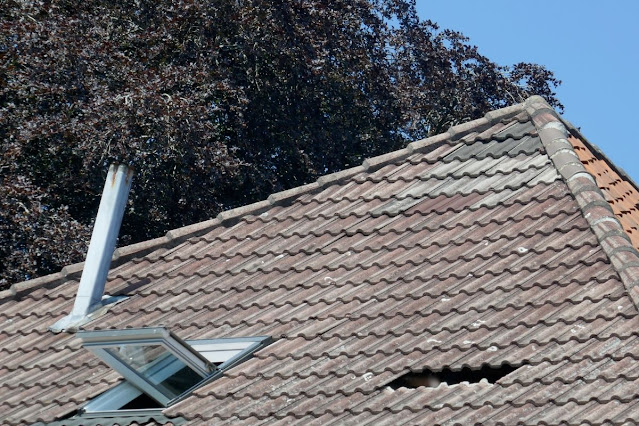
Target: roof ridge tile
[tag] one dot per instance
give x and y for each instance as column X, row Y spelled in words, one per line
column 423, row 144
column 372, row 164
column 176, row 236
column 17, row 289
column 591, row 201
column 503, row 113
column 338, row 177
column 231, row 216
column 287, row 196
column 179, row 235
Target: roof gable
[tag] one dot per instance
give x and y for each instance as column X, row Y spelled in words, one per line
column 488, row 244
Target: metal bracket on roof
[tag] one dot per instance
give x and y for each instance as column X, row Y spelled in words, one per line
column 89, row 300
column 71, row 323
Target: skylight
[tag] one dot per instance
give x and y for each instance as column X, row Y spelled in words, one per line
column 159, row 367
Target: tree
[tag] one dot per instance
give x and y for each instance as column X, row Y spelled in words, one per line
column 216, row 104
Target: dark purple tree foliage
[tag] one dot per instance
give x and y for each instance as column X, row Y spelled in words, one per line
column 216, row 104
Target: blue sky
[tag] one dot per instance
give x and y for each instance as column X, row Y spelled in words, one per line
column 590, row 45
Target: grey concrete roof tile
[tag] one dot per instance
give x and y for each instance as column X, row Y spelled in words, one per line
column 463, row 250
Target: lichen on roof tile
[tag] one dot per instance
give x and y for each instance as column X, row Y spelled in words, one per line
column 468, row 249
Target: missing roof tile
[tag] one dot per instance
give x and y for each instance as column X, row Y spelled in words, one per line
column 428, row 378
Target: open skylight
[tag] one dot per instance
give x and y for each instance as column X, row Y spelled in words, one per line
column 160, row 368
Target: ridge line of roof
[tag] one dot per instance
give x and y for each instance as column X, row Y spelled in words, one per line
column 596, row 210
column 176, row 236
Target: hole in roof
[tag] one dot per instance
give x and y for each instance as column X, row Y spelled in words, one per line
column 429, row 378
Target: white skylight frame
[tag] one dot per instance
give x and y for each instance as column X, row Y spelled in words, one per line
column 222, row 354
column 104, row 405
column 102, row 343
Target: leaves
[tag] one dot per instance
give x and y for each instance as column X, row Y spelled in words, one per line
column 216, row 104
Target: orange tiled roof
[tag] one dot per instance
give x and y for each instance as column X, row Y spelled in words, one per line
column 619, row 192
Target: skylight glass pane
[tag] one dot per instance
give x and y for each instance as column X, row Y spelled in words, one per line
column 161, row 365
column 158, row 366
column 141, row 358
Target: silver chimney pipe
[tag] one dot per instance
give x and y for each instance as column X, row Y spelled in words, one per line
column 105, row 234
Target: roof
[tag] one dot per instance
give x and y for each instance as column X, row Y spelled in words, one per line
column 485, row 245
column 616, row 186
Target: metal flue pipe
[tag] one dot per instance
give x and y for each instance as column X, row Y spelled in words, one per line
column 101, row 247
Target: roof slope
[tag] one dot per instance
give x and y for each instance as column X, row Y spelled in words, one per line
column 488, row 244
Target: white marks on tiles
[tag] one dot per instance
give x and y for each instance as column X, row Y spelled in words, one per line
column 478, row 323
column 577, row 328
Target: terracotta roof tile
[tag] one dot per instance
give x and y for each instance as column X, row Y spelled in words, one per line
column 622, row 195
